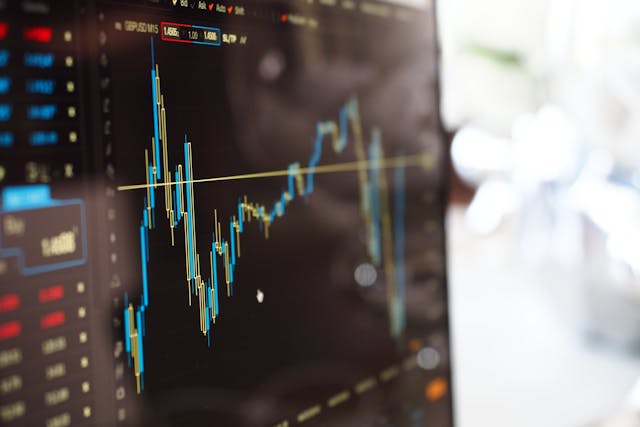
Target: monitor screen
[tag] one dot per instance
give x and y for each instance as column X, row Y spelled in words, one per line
column 222, row 213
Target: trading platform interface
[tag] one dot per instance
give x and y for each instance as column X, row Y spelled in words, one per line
column 221, row 212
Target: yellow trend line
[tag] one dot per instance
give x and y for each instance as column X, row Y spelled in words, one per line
column 424, row 160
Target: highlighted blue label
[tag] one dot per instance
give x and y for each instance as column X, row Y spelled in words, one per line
column 42, row 112
column 4, row 58
column 5, row 112
column 6, row 139
column 41, row 86
column 39, row 60
column 40, row 138
column 210, row 35
column 5, row 85
column 26, row 197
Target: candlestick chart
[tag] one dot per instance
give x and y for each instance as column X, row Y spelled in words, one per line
column 211, row 274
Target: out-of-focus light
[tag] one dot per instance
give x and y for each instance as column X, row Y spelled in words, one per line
column 546, row 147
column 493, row 200
column 428, row 358
column 624, row 244
column 611, row 207
column 365, row 274
column 271, row 66
column 436, row 389
column 476, row 154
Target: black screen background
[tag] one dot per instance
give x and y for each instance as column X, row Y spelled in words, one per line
column 317, row 331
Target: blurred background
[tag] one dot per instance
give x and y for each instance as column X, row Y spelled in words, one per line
column 541, row 100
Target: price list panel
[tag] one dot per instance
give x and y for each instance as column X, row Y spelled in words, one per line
column 45, row 338
column 39, row 94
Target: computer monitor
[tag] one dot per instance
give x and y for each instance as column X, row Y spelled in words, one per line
column 222, row 213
